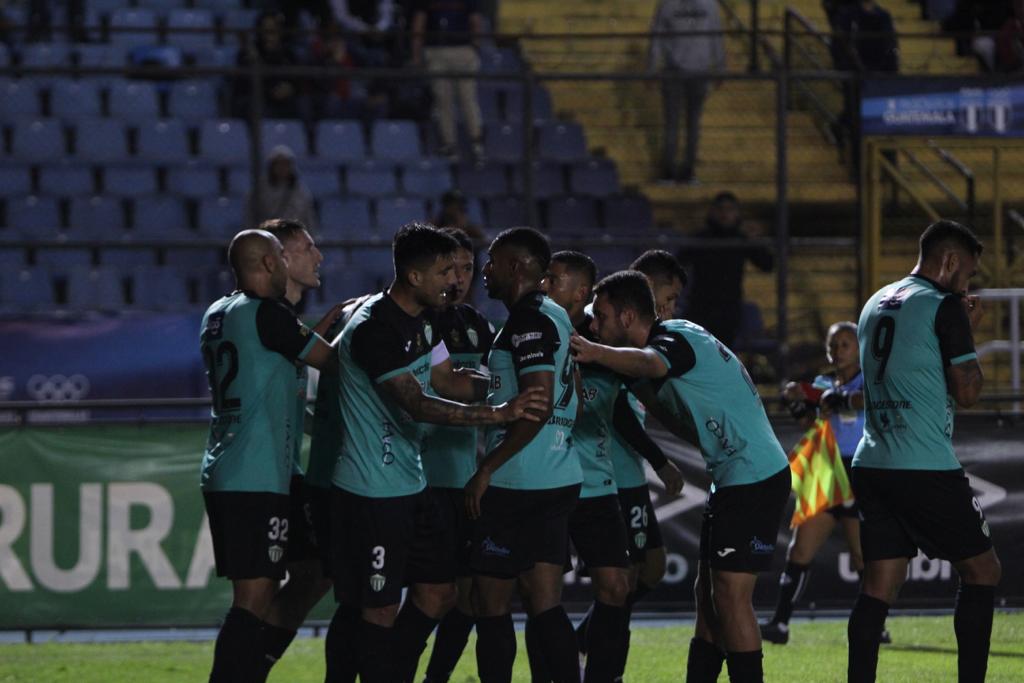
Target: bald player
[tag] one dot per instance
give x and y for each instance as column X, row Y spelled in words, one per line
column 250, row 343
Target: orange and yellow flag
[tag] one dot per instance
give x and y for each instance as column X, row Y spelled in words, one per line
column 819, row 478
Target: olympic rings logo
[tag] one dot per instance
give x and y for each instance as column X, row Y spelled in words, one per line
column 58, row 387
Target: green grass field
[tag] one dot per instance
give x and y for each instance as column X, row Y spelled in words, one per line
column 924, row 651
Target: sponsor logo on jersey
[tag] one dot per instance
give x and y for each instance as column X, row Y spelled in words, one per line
column 891, row 300
column 725, row 552
column 428, row 332
column 759, row 547
column 377, row 582
column 275, row 552
column 492, row 548
column 474, row 338
column 518, row 339
column 640, row 539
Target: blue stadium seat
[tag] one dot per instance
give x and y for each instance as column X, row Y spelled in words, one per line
column 92, row 289
column 239, row 180
column 345, row 218
column 427, row 178
column 501, row 60
column 66, row 179
column 224, row 141
column 341, row 282
column 488, row 97
column 107, row 6
column 12, row 257
column 61, row 259
column 561, row 141
column 144, row 22
column 506, row 212
column 101, row 140
column 394, row 212
column 102, row 55
column 220, row 217
column 33, row 217
column 322, row 182
column 97, row 218
column 127, row 257
column 43, row 55
column 161, row 5
column 340, row 141
column 594, row 178
column 129, row 181
column 191, row 260
column 162, row 142
column 15, row 181
column 192, row 101
column 133, row 101
column 574, row 215
column 215, row 283
column 193, row 179
column 370, row 179
column 159, row 288
column 71, row 100
column 18, row 100
column 513, row 103
column 38, row 141
column 289, row 133
column 396, row 140
column 26, row 289
column 503, row 142
column 159, row 218
column 482, row 180
column 628, row 214
column 221, row 55
column 5, row 56
column 610, row 259
column 474, row 209
column 377, row 262
column 548, row 180
column 239, row 19
column 192, row 20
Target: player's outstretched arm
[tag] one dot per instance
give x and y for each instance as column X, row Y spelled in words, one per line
column 629, row 362
column 459, row 384
column 404, row 390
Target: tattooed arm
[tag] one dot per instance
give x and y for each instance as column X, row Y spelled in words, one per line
column 404, row 390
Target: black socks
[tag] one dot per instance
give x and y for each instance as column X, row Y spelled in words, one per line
column 791, row 587
column 495, row 648
column 412, row 628
column 863, row 631
column 233, row 659
column 704, row 662
column 452, row 635
column 972, row 622
column 340, row 645
column 558, row 641
column 745, row 667
column 606, row 637
column 274, row 641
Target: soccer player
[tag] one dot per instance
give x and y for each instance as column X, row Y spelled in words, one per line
column 526, row 486
column 596, row 526
column 250, row 342
column 691, row 372
column 387, row 531
column 450, row 457
column 667, row 280
column 917, row 354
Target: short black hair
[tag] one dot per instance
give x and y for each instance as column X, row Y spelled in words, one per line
column 417, row 245
column 660, row 266
column 628, row 289
column 461, row 237
column 577, row 262
column 283, row 229
column 723, row 197
column 535, row 244
column 947, row 231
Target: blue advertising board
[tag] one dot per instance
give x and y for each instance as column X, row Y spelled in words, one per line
column 942, row 107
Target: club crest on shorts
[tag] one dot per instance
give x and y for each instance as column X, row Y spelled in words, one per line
column 640, row 539
column 275, row 552
column 377, row 582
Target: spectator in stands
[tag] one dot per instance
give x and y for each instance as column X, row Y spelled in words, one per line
column 367, row 25
column 984, row 16
column 865, row 38
column 282, row 95
column 1010, row 41
column 453, row 214
column 445, row 37
column 676, row 55
column 716, row 270
column 340, row 97
column 281, row 193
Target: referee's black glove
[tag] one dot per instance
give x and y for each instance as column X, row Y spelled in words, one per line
column 836, row 401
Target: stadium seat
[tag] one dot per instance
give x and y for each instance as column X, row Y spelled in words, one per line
column 561, row 141
column 339, row 283
column 95, row 289
column 500, row 60
column 131, row 26
column 488, row 97
column 239, row 19
column 394, row 212
column 192, row 21
column 97, row 218
column 100, row 55
column 506, row 212
column 18, row 100
column 377, row 262
column 751, row 335
column 190, row 260
column 370, row 179
column 340, row 141
column 5, row 55
column 194, row 179
column 129, row 181
column 162, row 5
column 162, row 142
column 321, row 182
column 610, row 259
column 213, row 283
column 548, row 180
column 482, row 180
column 15, row 181
column 66, row 179
column 44, row 55
column 133, row 101
column 100, row 140
column 72, row 100
column 290, row 133
column 159, row 288
column 33, row 217
column 513, row 104
column 474, row 209
column 11, row 257
column 503, row 142
column 192, row 101
column 220, row 217
column 127, row 257
column 396, row 140
column 38, row 141
column 220, row 55
column 594, row 178
column 62, row 259
column 427, row 178
column 27, row 289
column 345, row 218
column 240, row 180
column 160, row 218
column 224, row 141
column 576, row 215
column 107, row 6
column 628, row 214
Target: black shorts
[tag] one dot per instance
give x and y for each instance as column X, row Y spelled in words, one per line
column 451, row 505
column 598, row 533
column 741, row 524
column 302, row 537
column 642, row 529
column 903, row 510
column 250, row 532
column 519, row 528
column 318, row 500
column 380, row 545
column 846, row 510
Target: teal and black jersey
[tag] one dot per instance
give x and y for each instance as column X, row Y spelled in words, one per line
column 626, row 462
column 706, row 379
column 449, row 453
column 380, row 452
column 301, row 385
column 250, row 347
column 909, row 333
column 594, row 435
column 535, row 338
